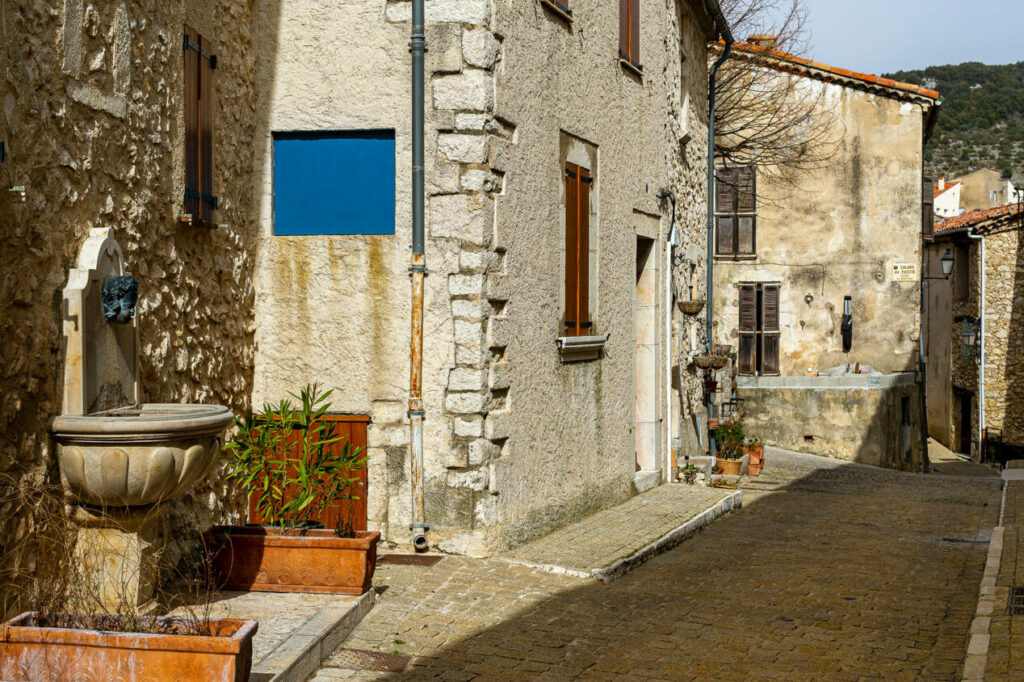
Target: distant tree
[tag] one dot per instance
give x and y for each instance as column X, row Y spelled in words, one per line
column 766, row 116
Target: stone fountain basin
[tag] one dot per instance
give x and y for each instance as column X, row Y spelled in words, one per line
column 139, row 455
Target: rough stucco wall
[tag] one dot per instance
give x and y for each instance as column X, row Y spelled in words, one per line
column 91, row 113
column 941, row 349
column 503, row 82
column 839, row 234
column 860, row 425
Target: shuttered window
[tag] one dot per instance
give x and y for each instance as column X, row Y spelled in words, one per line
column 578, row 182
column 928, row 208
column 758, row 329
column 629, row 33
column 200, row 63
column 736, row 211
column 559, row 7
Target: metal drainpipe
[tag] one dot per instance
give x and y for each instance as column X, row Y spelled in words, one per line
column 981, row 333
column 711, row 217
column 418, row 270
column 670, row 242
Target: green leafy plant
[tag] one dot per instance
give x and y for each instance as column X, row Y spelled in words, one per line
column 289, row 456
column 731, row 437
column 690, row 472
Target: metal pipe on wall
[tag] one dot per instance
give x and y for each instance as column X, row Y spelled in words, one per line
column 671, row 241
column 418, row 271
column 981, row 335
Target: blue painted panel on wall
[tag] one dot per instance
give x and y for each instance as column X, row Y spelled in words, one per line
column 334, row 182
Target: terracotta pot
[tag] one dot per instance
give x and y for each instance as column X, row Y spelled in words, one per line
column 754, row 470
column 31, row 652
column 729, row 467
column 713, row 423
column 269, row 560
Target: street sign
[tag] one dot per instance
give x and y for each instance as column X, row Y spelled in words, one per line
column 904, row 272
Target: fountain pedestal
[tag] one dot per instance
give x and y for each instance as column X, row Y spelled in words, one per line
column 121, row 460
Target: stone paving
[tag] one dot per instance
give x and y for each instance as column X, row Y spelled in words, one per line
column 1005, row 654
column 829, row 571
column 606, row 539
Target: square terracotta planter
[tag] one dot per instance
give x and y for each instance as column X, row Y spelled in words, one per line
column 269, row 560
column 31, row 652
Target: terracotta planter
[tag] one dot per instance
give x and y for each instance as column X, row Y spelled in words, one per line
column 729, row 467
column 31, row 652
column 267, row 560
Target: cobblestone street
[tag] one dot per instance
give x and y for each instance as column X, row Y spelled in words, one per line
column 828, row 571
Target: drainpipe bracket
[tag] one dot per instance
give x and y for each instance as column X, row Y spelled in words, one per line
column 416, row 413
column 422, row 526
column 419, row 268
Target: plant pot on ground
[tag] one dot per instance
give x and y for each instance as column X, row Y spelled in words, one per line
column 34, row 646
column 730, row 437
column 289, row 458
column 755, row 450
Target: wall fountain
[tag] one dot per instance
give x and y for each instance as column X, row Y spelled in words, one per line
column 121, row 460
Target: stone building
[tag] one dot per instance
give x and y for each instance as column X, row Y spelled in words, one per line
column 549, row 140
column 93, row 100
column 963, row 327
column 986, row 188
column 837, row 249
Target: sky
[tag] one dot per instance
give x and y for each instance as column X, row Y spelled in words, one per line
column 881, row 36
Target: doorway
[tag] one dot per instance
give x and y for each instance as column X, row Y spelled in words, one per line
column 646, row 364
column 965, row 398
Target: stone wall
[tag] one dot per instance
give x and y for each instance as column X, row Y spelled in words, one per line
column 515, row 442
column 867, row 419
column 91, row 116
column 1004, row 342
column 838, row 233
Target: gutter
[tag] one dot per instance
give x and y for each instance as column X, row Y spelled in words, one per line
column 981, row 334
column 723, row 27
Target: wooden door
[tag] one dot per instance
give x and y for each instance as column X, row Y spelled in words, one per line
column 352, row 512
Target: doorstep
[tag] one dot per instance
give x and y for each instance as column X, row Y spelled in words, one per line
column 296, row 630
column 614, row 541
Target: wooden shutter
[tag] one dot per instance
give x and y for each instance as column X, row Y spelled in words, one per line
column 634, row 32
column 770, row 329
column 746, row 190
column 927, row 207
column 571, row 248
column 745, row 235
column 725, row 190
column 191, row 71
column 583, row 257
column 748, row 330
column 624, row 29
column 725, row 236
column 207, row 63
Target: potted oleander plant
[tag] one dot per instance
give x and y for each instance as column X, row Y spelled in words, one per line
column 295, row 469
column 755, row 451
column 730, row 437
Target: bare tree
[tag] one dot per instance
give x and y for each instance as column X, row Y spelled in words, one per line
column 767, row 114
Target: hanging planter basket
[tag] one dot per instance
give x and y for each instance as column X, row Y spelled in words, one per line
column 690, row 307
column 711, row 361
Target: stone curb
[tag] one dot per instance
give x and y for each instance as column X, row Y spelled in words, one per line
column 300, row 655
column 980, row 638
column 671, row 539
column 666, row 542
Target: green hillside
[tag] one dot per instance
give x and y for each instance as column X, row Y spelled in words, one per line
column 982, row 119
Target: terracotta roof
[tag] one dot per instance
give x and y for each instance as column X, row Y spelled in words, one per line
column 949, row 186
column 826, row 71
column 976, row 218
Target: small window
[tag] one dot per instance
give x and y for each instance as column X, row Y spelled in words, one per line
column 578, row 182
column 759, row 329
column 200, row 62
column 962, row 273
column 629, row 34
column 334, row 182
column 736, row 211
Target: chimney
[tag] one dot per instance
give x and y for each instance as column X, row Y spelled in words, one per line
column 942, row 184
column 767, row 41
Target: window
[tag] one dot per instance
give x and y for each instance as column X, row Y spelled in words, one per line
column 928, row 208
column 578, row 182
column 334, row 182
column 962, row 274
column 629, row 34
column 736, row 211
column 759, row 329
column 200, row 62
column 559, row 7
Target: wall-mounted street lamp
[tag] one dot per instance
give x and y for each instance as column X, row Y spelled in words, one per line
column 946, row 261
column 968, row 334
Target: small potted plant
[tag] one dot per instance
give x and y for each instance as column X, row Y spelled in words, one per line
column 289, row 458
column 688, row 474
column 755, row 450
column 730, row 437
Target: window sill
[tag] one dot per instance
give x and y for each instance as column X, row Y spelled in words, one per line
column 563, row 13
column 187, row 219
column 580, row 348
column 636, row 69
column 743, row 257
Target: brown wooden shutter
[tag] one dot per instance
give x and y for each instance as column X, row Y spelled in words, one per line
column 191, row 104
column 725, row 190
column 770, row 329
column 634, row 32
column 746, row 190
column 583, row 257
column 206, row 66
column 571, row 248
column 745, row 235
column 624, row 29
column 928, row 208
column 748, row 330
column 725, row 236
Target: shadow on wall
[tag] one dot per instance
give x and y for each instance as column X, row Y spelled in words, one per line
column 797, row 584
column 1013, row 422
